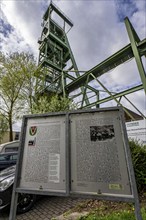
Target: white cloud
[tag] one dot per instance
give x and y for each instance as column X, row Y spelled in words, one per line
column 25, row 17
column 11, row 44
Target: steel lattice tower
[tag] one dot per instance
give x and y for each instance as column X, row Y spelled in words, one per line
column 62, row 76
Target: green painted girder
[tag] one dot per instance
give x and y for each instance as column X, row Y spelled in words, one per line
column 54, row 42
column 134, row 39
column 76, row 68
column 118, row 95
column 55, row 25
column 55, row 52
column 48, row 63
column 113, row 61
column 134, row 106
column 53, row 7
column 54, row 36
column 56, row 39
column 88, row 86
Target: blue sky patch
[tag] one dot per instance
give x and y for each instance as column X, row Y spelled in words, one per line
column 44, row 5
column 5, row 28
column 125, row 8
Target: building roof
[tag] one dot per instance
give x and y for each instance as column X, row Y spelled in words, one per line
column 134, row 115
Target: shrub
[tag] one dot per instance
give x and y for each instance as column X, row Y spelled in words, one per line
column 138, row 153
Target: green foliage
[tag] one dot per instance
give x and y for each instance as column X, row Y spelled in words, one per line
column 138, row 153
column 54, row 104
column 20, row 89
column 122, row 215
column 18, row 86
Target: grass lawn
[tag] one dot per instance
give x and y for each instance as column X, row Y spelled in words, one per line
column 121, row 215
column 106, row 210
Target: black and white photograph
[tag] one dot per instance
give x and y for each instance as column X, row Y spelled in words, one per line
column 102, row 133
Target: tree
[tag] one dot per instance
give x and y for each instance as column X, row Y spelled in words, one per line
column 18, row 86
column 21, row 91
column 3, row 126
column 52, row 103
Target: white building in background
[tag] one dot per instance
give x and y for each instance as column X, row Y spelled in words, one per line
column 137, row 130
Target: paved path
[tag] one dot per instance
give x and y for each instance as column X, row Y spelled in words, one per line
column 46, row 208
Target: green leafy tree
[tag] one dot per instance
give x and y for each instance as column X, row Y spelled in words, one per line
column 18, row 86
column 53, row 103
column 138, row 153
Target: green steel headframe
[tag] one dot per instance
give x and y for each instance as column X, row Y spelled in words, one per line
column 62, row 76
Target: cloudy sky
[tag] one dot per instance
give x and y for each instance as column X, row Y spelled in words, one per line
column 98, row 32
